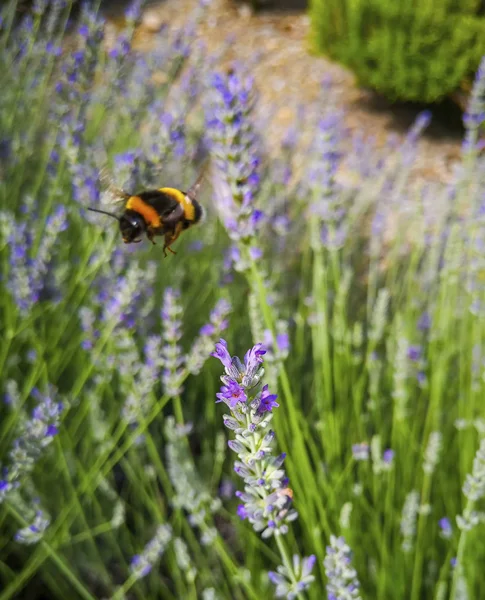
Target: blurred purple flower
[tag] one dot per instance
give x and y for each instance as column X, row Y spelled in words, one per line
column 446, row 529
column 424, row 322
column 201, row 348
column 361, row 451
column 342, row 577
column 142, row 564
column 388, row 456
column 35, row 433
column 475, row 112
column 414, row 352
column 227, row 488
column 235, row 148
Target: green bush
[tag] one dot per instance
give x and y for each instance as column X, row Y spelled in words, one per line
column 418, row 52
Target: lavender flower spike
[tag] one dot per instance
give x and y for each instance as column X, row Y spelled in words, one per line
column 142, row 564
column 172, row 354
column 285, row 587
column 34, row 435
column 475, row 113
column 266, row 498
column 342, row 577
column 201, row 349
column 235, row 148
column 34, row 532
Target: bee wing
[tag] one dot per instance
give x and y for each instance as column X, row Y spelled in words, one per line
column 195, row 187
column 115, row 193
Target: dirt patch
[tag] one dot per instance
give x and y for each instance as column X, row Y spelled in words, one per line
column 289, row 78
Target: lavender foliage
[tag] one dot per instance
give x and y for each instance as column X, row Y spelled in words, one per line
column 191, row 493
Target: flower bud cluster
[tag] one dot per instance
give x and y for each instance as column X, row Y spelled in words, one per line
column 35, row 434
column 266, row 498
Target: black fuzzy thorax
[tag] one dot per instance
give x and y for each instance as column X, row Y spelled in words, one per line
column 160, row 201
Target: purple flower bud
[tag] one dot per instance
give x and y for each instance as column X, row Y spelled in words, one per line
column 231, row 394
column 51, row 431
column 242, row 512
column 226, row 489
column 208, row 329
column 279, row 460
column 283, row 342
column 83, row 31
column 414, row 352
column 309, row 563
column 424, row 322
column 254, row 357
column 236, row 446
column 256, row 217
column 222, row 354
column 388, row 456
column 268, row 401
column 445, row 527
column 276, row 578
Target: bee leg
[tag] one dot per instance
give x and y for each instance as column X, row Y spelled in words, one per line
column 170, row 238
column 167, row 247
column 150, row 236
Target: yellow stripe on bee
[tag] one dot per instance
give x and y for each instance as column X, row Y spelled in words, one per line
column 183, row 199
column 145, row 210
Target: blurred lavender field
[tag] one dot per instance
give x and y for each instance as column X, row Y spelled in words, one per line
column 290, row 406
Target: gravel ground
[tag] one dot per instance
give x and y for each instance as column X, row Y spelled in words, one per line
column 288, row 76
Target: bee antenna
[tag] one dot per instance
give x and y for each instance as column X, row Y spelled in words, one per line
column 103, row 212
column 194, row 188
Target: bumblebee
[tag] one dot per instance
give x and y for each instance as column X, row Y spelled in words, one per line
column 160, row 212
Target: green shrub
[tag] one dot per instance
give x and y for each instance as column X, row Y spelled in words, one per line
column 419, row 52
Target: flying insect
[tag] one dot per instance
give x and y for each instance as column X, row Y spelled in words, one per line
column 158, row 212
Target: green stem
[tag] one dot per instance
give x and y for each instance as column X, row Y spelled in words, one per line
column 123, row 589
column 458, row 570
column 419, row 555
